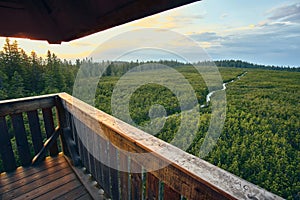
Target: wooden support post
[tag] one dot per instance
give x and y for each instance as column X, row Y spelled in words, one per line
column 69, row 145
column 7, row 154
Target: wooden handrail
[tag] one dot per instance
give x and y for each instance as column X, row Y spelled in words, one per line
column 20, row 105
column 181, row 173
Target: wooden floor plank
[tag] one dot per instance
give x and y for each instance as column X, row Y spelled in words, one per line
column 59, row 190
column 40, row 184
column 21, row 171
column 85, row 197
column 73, row 194
column 53, row 179
column 46, row 188
column 20, row 180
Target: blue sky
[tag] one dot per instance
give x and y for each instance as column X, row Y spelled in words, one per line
column 264, row 32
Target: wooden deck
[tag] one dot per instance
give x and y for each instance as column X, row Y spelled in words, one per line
column 52, row 179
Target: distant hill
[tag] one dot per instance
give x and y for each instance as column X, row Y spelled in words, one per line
column 244, row 64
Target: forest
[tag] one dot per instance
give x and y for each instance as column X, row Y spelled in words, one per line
column 261, row 135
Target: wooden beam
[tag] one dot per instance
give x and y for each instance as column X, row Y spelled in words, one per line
column 14, row 106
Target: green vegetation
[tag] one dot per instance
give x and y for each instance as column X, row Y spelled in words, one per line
column 261, row 136
column 22, row 75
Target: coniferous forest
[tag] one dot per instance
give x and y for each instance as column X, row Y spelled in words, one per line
column 260, row 141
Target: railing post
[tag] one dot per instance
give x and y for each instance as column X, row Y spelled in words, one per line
column 6, row 151
column 67, row 141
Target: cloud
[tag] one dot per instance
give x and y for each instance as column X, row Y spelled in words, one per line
column 286, row 13
column 172, row 20
column 224, row 15
column 206, row 37
column 81, row 44
column 270, row 44
column 267, row 42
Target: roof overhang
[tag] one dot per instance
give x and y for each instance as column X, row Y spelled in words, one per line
column 63, row 20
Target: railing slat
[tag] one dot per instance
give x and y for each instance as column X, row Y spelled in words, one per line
column 85, row 158
column 49, row 127
column 99, row 175
column 73, row 128
column 105, row 168
column 152, row 186
column 136, row 180
column 169, row 193
column 124, row 175
column 21, row 139
column 35, row 129
column 91, row 158
column 113, row 171
column 6, row 151
column 81, row 151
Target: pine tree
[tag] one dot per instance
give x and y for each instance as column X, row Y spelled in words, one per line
column 16, row 86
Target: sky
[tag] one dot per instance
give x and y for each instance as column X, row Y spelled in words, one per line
column 258, row 31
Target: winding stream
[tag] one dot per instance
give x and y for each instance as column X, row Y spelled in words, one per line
column 208, row 97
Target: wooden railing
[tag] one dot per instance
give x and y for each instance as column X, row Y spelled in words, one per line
column 13, row 112
column 127, row 162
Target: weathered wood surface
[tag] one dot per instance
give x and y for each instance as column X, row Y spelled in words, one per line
column 152, row 185
column 136, row 181
column 105, row 169
column 53, row 179
column 20, row 105
column 114, row 175
column 124, row 176
column 186, row 174
column 169, row 193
